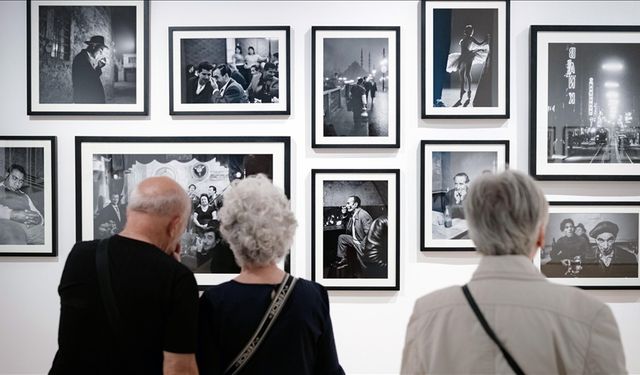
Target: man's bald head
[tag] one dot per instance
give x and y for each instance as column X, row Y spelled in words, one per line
column 159, row 196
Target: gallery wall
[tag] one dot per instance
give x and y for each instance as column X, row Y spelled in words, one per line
column 369, row 326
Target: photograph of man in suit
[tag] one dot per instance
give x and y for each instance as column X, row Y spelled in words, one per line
column 454, row 197
column 200, row 87
column 20, row 221
column 356, row 230
column 86, row 71
column 226, row 89
column 111, row 218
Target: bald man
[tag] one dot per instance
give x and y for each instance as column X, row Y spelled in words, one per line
column 155, row 296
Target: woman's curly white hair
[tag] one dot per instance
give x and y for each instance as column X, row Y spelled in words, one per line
column 256, row 221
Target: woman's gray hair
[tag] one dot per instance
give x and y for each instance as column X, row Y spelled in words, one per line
column 505, row 213
column 257, row 222
column 161, row 198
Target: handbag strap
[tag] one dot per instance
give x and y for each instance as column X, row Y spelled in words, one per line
column 106, row 291
column 284, row 291
column 476, row 310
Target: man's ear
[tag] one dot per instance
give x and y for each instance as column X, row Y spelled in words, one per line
column 540, row 239
column 174, row 226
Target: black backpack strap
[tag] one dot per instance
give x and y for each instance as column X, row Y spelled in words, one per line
column 271, row 315
column 476, row 310
column 106, row 291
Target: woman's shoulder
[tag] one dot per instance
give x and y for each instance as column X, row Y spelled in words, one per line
column 311, row 290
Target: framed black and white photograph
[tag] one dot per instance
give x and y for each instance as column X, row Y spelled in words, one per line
column 87, row 57
column 592, row 244
column 585, row 119
column 355, row 87
column 28, row 211
column 465, row 59
column 229, row 70
column 355, row 228
column 448, row 169
column 109, row 168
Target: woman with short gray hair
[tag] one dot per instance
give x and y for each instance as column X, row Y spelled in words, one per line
column 258, row 224
column 509, row 318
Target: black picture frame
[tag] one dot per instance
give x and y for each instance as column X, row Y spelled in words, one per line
column 58, row 50
column 341, row 132
column 439, row 165
column 598, row 220
column 574, row 95
column 370, row 185
column 437, row 103
column 114, row 165
column 277, row 37
column 36, row 155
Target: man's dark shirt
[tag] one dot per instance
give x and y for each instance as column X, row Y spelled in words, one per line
column 204, row 96
column 570, row 247
column 87, row 86
column 623, row 264
column 157, row 299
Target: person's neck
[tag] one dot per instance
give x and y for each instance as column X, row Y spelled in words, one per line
column 269, row 274
column 148, row 235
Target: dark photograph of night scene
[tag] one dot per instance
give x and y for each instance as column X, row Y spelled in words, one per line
column 87, row 54
column 355, row 88
column 594, row 103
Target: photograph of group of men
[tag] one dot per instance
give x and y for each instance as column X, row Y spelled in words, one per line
column 22, row 196
column 230, row 70
column 355, row 239
column 591, row 245
column 205, row 179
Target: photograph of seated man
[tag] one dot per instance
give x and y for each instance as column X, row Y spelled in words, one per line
column 21, row 222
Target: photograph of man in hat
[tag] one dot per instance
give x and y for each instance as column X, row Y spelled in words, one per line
column 86, row 71
column 609, row 259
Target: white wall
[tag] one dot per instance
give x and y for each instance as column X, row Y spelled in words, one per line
column 369, row 326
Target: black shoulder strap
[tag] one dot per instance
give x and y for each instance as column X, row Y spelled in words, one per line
column 476, row 310
column 104, row 281
column 284, row 291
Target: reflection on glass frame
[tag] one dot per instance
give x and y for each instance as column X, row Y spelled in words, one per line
column 28, row 208
column 583, row 118
column 229, row 70
column 87, row 58
column 355, row 87
column 465, row 59
column 592, row 244
column 108, row 168
column 448, row 168
column 355, row 228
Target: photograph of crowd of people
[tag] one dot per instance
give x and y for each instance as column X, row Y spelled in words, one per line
column 591, row 245
column 22, row 197
column 452, row 175
column 217, row 69
column 87, row 54
column 205, row 178
column 592, row 115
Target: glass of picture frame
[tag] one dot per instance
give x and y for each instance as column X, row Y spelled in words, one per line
column 355, row 228
column 87, row 58
column 108, row 168
column 583, row 120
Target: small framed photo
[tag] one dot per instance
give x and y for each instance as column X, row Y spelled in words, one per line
column 87, row 58
column 355, row 228
column 465, row 59
column 584, row 119
column 109, row 168
column 227, row 70
column 592, row 244
column 448, row 169
column 28, row 210
column 355, row 87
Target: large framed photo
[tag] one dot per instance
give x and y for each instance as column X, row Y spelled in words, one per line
column 28, row 211
column 355, row 228
column 87, row 58
column 465, row 59
column 239, row 70
column 592, row 244
column 109, row 168
column 355, row 87
column 583, row 104
column 448, row 169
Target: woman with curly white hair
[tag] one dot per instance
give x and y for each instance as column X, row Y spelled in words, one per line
column 263, row 321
